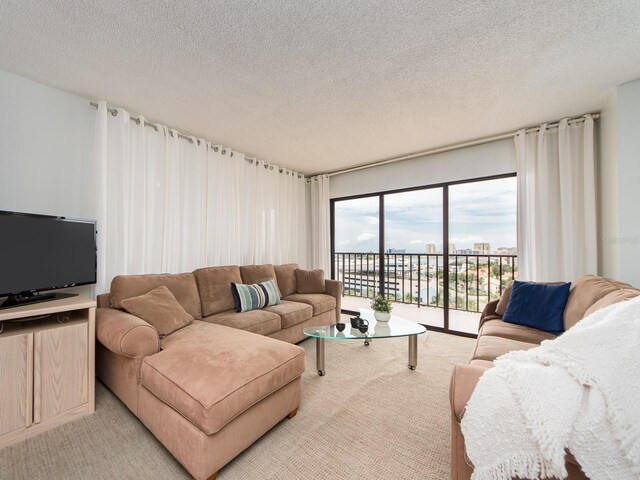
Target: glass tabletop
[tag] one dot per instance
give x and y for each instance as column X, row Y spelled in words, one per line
column 395, row 327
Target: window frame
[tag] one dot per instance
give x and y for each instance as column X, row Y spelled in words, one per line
column 381, row 234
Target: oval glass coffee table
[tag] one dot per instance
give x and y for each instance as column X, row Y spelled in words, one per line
column 395, row 327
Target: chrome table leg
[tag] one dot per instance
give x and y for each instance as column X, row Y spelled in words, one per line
column 320, row 356
column 413, row 352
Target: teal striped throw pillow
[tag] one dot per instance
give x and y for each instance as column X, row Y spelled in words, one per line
column 252, row 297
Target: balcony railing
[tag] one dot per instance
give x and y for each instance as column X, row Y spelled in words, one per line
column 418, row 278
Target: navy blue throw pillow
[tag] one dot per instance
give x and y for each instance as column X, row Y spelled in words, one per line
column 538, row 305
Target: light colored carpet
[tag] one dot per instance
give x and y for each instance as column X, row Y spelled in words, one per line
column 369, row 417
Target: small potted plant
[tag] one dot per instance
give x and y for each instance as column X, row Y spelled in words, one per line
column 381, row 307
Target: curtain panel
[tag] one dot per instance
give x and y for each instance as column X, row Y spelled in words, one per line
column 320, row 254
column 166, row 204
column 557, row 237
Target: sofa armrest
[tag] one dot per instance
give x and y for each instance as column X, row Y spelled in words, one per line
column 489, row 312
column 334, row 288
column 463, row 381
column 103, row 300
column 126, row 334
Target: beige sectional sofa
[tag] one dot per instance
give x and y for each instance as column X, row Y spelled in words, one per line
column 588, row 294
column 210, row 389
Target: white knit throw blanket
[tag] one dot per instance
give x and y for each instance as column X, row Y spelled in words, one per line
column 580, row 392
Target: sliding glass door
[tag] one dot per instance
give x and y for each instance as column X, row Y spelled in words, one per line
column 439, row 252
column 413, row 231
column 482, row 247
column 356, row 261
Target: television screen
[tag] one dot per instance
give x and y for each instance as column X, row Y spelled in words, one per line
column 39, row 252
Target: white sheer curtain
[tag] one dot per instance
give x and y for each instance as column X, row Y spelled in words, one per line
column 320, row 224
column 557, row 238
column 166, row 204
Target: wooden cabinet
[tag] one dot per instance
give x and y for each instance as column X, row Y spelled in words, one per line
column 47, row 373
column 16, row 382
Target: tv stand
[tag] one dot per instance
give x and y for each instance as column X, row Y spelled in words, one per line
column 47, row 366
column 26, row 298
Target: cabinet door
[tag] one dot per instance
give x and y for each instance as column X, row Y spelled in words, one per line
column 16, row 382
column 60, row 370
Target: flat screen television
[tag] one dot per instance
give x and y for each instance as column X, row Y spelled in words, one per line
column 41, row 252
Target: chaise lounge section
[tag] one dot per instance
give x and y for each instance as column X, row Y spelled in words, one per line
column 210, row 389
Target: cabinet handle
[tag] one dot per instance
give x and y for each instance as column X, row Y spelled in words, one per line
column 37, row 378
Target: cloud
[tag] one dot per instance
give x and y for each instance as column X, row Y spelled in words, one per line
column 479, row 211
column 467, row 239
column 363, row 237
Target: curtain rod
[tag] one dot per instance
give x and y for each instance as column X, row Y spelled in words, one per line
column 455, row 146
column 114, row 112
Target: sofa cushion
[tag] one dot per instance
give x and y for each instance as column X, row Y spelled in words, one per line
column 489, row 347
column 210, row 374
column 182, row 285
column 255, row 296
column 292, row 313
column 612, row 298
column 310, row 281
column 159, row 308
column 255, row 321
column 286, row 276
column 586, row 291
column 319, row 301
column 214, row 285
column 538, row 306
column 257, row 273
column 499, row 328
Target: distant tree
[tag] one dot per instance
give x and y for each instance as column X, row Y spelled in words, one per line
column 495, row 270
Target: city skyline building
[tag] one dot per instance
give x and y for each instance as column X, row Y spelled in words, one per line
column 482, row 247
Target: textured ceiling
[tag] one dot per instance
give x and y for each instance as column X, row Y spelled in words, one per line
column 319, row 85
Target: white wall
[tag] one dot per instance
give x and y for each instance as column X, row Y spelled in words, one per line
column 493, row 158
column 46, row 150
column 628, row 152
column 607, row 185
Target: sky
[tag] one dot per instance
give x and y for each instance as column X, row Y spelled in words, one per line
column 479, row 212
